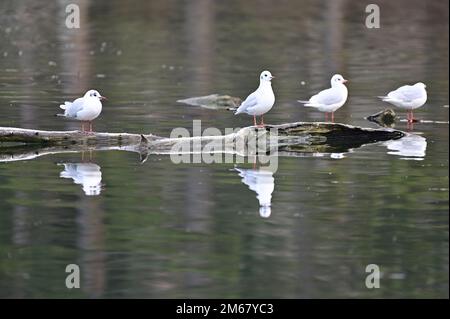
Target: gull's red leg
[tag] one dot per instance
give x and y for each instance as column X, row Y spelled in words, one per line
column 82, row 126
column 262, row 120
column 254, row 120
column 332, row 117
column 90, row 126
column 326, row 116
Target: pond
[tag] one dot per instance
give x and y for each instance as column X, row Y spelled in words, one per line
column 234, row 230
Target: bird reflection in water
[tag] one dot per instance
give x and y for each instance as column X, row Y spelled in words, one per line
column 262, row 182
column 88, row 175
column 411, row 146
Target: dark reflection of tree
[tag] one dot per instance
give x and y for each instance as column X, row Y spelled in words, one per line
column 75, row 47
column 334, row 37
column 91, row 245
column 21, row 237
column 31, row 32
column 197, row 212
column 200, row 37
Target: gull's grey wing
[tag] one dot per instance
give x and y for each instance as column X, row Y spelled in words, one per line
column 406, row 93
column 327, row 97
column 249, row 102
column 75, row 107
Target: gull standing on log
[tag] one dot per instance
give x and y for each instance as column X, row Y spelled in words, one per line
column 84, row 109
column 261, row 101
column 408, row 97
column 331, row 99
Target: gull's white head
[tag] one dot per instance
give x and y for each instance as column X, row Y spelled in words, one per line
column 266, row 76
column 94, row 94
column 420, row 84
column 265, row 211
column 337, row 79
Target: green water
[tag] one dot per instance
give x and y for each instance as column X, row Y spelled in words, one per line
column 161, row 230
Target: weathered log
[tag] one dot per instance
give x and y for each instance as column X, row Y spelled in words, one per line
column 385, row 118
column 67, row 138
column 287, row 139
column 213, row 101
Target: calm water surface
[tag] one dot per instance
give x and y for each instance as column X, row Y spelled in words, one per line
column 159, row 230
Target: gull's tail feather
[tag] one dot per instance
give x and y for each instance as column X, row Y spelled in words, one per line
column 239, row 110
column 307, row 103
column 65, row 105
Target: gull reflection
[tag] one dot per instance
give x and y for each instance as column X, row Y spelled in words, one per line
column 86, row 174
column 262, row 182
column 411, row 146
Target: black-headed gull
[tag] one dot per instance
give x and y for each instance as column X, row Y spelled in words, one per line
column 411, row 146
column 331, row 99
column 88, row 175
column 262, row 182
column 408, row 97
column 261, row 101
column 84, row 109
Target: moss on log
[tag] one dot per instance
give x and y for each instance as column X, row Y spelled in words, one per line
column 385, row 118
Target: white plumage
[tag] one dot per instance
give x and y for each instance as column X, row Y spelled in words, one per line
column 88, row 175
column 261, row 101
column 411, row 146
column 331, row 99
column 407, row 97
column 85, row 109
column 262, row 183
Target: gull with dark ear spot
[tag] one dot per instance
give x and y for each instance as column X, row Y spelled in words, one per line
column 408, row 97
column 84, row 109
column 261, row 101
column 331, row 99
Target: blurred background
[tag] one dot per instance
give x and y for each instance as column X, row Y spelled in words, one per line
column 160, row 230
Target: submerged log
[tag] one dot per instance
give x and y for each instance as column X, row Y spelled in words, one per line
column 287, row 139
column 213, row 101
column 388, row 118
column 385, row 118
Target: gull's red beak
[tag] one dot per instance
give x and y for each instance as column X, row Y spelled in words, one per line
column 272, row 77
column 345, row 81
column 103, row 98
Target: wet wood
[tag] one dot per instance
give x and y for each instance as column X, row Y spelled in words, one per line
column 288, row 139
column 385, row 118
column 213, row 101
